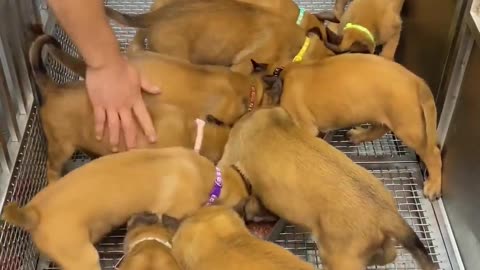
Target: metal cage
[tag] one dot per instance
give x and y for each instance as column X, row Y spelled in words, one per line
column 23, row 152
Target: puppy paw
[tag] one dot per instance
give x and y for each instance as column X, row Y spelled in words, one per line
column 356, row 135
column 432, row 190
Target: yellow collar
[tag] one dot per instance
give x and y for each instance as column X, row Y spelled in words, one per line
column 303, row 50
column 361, row 29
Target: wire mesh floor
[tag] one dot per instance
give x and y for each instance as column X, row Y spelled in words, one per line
column 385, row 158
column 403, row 180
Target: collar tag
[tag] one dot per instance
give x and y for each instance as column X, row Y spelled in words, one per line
column 217, row 187
column 303, row 50
column 301, row 13
column 361, row 29
column 199, row 137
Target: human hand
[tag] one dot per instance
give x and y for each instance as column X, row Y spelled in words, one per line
column 115, row 93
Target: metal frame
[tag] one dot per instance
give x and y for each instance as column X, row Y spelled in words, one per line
column 16, row 105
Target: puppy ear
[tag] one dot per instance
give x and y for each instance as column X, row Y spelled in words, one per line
column 359, row 47
column 258, row 67
column 240, row 207
column 144, row 218
column 326, row 16
column 332, row 37
column 315, row 30
column 269, row 80
column 170, row 222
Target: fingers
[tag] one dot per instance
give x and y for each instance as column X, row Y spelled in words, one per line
column 148, row 87
column 129, row 128
column 99, row 114
column 145, row 120
column 113, row 129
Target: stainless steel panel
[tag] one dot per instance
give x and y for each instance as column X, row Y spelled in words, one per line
column 429, row 29
column 461, row 169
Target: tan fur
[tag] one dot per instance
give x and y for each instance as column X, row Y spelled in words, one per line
column 287, row 9
column 89, row 202
column 381, row 17
column 306, row 181
column 216, row 238
column 353, row 89
column 148, row 255
column 234, row 33
column 189, row 92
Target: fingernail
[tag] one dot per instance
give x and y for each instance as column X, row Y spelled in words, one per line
column 153, row 139
column 114, row 149
column 98, row 137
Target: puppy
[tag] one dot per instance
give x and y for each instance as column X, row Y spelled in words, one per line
column 147, row 244
column 349, row 211
column 67, row 217
column 234, row 33
column 199, row 90
column 215, row 230
column 368, row 23
column 352, row 89
column 287, row 9
column 68, row 121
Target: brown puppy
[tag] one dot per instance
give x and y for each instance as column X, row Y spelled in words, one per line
column 349, row 211
column 216, row 238
column 67, row 217
column 147, row 245
column 368, row 23
column 68, row 122
column 198, row 89
column 285, row 8
column 353, row 89
column 234, row 33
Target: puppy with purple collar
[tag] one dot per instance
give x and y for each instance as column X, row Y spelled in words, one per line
column 69, row 216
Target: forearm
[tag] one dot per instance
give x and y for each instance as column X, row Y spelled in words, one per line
column 87, row 25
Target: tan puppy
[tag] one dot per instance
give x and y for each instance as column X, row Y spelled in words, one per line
column 68, row 121
column 353, row 89
column 67, row 217
column 285, row 8
column 198, row 89
column 147, row 245
column 368, row 23
column 306, row 181
column 234, row 33
column 216, row 238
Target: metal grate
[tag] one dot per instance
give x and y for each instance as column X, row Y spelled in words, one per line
column 403, row 182
column 401, row 179
column 17, row 250
column 388, row 148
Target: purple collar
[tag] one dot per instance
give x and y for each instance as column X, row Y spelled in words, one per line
column 217, row 187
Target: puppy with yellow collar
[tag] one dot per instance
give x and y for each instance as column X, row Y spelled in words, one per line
column 367, row 24
column 147, row 245
column 234, row 33
column 287, row 9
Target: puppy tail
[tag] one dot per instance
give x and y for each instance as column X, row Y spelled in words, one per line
column 76, row 65
column 144, row 20
column 405, row 235
column 38, row 69
column 429, row 114
column 26, row 218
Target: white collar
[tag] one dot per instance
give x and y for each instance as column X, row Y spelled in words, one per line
column 199, row 137
column 158, row 240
